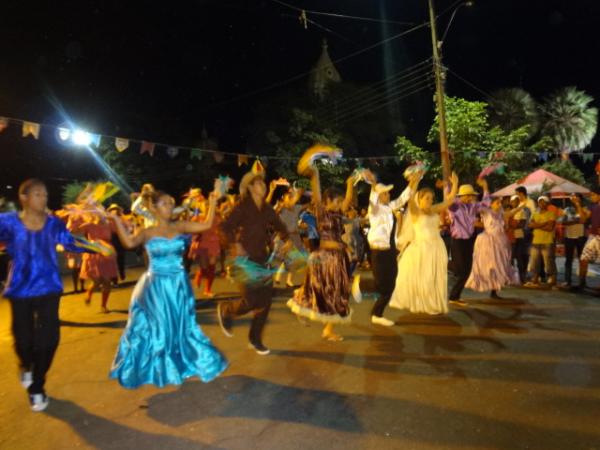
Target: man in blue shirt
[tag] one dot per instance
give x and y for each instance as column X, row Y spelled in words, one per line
column 34, row 285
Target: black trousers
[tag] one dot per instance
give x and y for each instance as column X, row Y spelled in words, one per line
column 570, row 246
column 257, row 300
column 521, row 255
column 36, row 331
column 385, row 269
column 462, row 262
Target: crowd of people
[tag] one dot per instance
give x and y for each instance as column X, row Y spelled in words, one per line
column 410, row 243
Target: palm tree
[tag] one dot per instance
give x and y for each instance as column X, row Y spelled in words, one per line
column 569, row 120
column 512, row 108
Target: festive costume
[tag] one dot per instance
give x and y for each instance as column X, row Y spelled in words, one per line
column 382, row 243
column 34, row 287
column 95, row 266
column 162, row 343
column 206, row 246
column 492, row 267
column 250, row 226
column 421, row 284
column 462, row 229
column 324, row 295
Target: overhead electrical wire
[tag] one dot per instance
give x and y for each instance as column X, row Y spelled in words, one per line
column 424, row 84
column 303, row 74
column 341, row 16
column 379, row 97
column 369, row 90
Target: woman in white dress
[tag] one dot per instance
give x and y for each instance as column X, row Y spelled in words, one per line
column 422, row 281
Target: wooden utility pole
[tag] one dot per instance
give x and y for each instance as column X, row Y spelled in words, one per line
column 439, row 94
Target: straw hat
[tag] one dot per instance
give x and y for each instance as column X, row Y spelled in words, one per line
column 114, row 207
column 248, row 179
column 380, row 188
column 466, row 189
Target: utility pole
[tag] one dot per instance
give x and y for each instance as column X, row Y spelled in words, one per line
column 439, row 94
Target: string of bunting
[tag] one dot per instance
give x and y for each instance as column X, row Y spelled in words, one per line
column 121, row 144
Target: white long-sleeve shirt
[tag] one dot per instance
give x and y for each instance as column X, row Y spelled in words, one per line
column 381, row 218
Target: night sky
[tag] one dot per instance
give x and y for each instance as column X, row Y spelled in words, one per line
column 160, row 70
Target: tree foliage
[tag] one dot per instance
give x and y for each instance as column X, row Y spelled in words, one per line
column 474, row 143
column 513, row 108
column 569, row 120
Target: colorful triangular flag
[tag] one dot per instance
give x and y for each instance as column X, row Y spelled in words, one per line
column 147, row 147
column 121, row 144
column 95, row 140
column 3, row 124
column 196, row 153
column 242, row 159
column 31, row 128
column 257, row 167
column 172, row 152
column 218, row 156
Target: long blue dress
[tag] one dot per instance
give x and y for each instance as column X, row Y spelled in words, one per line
column 162, row 343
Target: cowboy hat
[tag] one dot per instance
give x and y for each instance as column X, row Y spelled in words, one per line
column 113, row 207
column 248, row 179
column 466, row 189
column 380, row 188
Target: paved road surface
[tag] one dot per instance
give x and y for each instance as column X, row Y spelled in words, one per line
column 519, row 373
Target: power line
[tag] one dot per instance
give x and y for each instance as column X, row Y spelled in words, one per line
column 467, row 82
column 382, row 96
column 425, row 84
column 303, row 74
column 340, row 107
column 341, row 16
column 368, row 90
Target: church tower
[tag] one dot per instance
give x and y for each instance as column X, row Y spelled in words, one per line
column 323, row 74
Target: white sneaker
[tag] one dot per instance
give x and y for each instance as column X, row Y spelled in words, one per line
column 26, row 379
column 39, row 402
column 382, row 321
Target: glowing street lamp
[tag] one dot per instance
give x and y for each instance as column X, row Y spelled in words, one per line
column 82, row 138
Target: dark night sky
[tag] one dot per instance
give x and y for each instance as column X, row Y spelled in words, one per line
column 159, row 70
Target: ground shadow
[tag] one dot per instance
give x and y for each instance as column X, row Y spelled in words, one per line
column 105, row 434
column 243, row 397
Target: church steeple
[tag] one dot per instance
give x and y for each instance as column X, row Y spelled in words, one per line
column 323, row 73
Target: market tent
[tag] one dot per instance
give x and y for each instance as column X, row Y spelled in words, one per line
column 558, row 187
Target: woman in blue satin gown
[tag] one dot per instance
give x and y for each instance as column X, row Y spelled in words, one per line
column 162, row 343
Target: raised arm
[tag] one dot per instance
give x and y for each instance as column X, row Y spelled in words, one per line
column 413, row 184
column 487, row 199
column 349, row 194
column 272, row 187
column 128, row 240
column 189, row 227
column 449, row 199
column 315, row 185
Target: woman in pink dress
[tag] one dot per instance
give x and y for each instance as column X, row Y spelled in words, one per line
column 100, row 270
column 492, row 267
